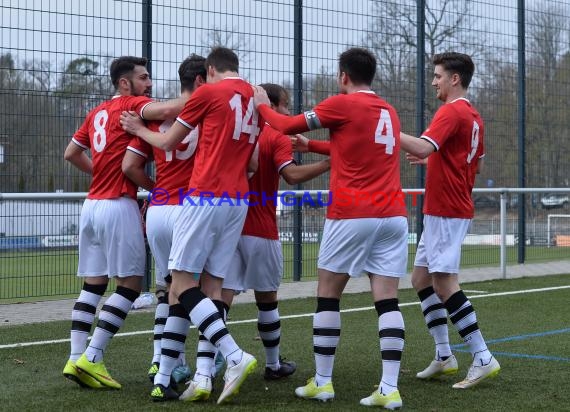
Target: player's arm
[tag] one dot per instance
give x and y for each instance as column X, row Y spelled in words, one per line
column 134, row 168
column 420, row 148
column 76, row 155
column 133, row 124
column 295, row 174
column 285, row 124
column 168, row 109
column 302, row 144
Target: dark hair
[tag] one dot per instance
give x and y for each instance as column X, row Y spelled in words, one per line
column 124, row 65
column 456, row 63
column 275, row 92
column 189, row 69
column 359, row 64
column 223, row 60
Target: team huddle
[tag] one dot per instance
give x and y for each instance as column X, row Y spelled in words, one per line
column 223, row 137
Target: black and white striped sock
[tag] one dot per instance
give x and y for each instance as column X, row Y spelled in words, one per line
column 435, row 317
column 392, row 336
column 464, row 319
column 269, row 328
column 111, row 318
column 326, row 335
column 83, row 316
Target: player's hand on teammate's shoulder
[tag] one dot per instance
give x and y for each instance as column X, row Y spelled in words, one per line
column 414, row 160
column 300, row 143
column 260, row 96
column 131, row 122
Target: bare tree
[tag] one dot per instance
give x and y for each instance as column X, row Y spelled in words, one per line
column 393, row 38
column 547, row 124
column 231, row 39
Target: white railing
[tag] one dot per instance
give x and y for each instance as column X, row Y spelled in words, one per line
column 503, row 192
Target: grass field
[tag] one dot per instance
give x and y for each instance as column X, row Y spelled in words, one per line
column 26, row 276
column 529, row 332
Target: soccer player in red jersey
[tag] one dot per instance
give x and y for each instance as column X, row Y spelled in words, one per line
column 173, row 171
column 258, row 259
column 110, row 234
column 366, row 230
column 208, row 228
column 452, row 146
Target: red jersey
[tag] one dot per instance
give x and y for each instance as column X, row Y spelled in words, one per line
column 365, row 153
column 457, row 133
column 229, row 129
column 173, row 169
column 275, row 153
column 102, row 133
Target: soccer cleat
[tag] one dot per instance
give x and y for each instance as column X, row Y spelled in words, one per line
column 235, row 375
column 439, row 368
column 286, row 368
column 71, row 372
column 312, row 391
column 391, row 401
column 153, row 370
column 160, row 393
column 197, row 390
column 180, row 374
column 98, row 371
column 478, row 373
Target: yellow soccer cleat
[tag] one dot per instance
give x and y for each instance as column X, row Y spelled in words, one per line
column 76, row 375
column 98, row 371
column 391, row 401
column 312, row 391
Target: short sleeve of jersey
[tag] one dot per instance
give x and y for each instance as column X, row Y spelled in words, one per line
column 195, row 108
column 331, row 111
column 282, row 152
column 138, row 103
column 140, row 147
column 81, row 136
column 443, row 125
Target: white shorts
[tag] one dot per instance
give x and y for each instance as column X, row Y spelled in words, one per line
column 160, row 222
column 257, row 264
column 439, row 248
column 206, row 236
column 375, row 245
column 111, row 240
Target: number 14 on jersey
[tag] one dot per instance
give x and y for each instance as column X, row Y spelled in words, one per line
column 245, row 124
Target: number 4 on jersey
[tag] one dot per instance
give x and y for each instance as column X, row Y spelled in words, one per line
column 246, row 124
column 384, row 132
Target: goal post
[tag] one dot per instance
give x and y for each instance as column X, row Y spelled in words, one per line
column 548, row 230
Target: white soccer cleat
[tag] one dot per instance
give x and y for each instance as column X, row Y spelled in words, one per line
column 197, row 390
column 439, row 368
column 236, row 375
column 478, row 373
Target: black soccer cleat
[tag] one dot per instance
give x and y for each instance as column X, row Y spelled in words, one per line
column 286, row 368
column 160, row 393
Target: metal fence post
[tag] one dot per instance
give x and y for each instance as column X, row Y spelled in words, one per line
column 521, row 130
column 298, row 107
column 420, row 107
column 147, row 52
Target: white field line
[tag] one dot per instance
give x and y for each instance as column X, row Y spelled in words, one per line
column 474, row 291
column 302, row 315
